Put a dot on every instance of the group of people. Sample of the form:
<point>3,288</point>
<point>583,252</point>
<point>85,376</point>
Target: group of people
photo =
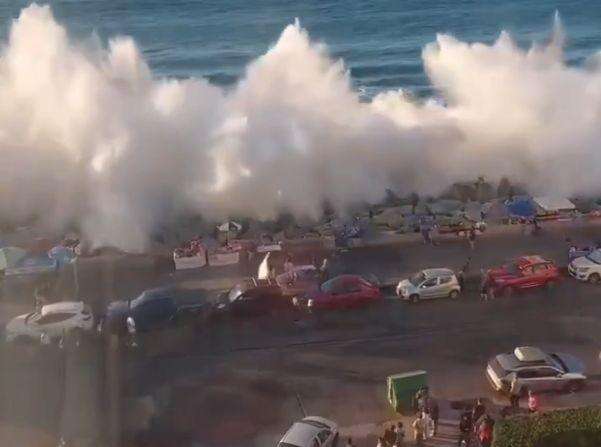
<point>476,424</point>
<point>394,436</point>
<point>516,392</point>
<point>425,424</point>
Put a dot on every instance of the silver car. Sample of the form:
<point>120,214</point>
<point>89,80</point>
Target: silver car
<point>535,370</point>
<point>429,284</point>
<point>312,431</point>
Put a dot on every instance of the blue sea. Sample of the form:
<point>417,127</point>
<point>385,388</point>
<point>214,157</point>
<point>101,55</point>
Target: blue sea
<point>380,41</point>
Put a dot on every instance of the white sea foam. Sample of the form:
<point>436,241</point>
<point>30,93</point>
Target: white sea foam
<point>88,134</point>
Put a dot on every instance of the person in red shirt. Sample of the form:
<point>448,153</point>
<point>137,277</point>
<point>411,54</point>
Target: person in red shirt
<point>485,433</point>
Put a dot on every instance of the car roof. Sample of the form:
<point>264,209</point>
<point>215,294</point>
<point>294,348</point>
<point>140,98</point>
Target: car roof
<point>529,354</point>
<point>301,434</point>
<point>531,259</point>
<point>524,357</point>
<point>438,272</point>
<point>62,307</point>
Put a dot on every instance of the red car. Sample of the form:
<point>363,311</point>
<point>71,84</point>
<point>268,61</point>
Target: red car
<point>341,292</point>
<point>526,272</point>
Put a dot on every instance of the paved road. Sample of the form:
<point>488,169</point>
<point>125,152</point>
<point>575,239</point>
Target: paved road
<point>339,363</point>
<point>239,382</point>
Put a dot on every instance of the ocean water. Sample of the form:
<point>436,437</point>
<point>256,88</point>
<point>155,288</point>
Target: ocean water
<point>380,41</point>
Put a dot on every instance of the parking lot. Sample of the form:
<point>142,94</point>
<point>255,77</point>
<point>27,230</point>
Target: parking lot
<point>238,384</point>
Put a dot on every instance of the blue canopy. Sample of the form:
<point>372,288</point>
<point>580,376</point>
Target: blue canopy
<point>521,208</point>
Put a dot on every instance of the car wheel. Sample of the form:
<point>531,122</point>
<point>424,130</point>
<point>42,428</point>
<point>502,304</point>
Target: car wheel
<point>454,294</point>
<point>594,278</point>
<point>508,292</point>
<point>414,298</point>
<point>574,385</point>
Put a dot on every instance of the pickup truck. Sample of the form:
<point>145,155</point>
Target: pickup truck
<point>155,309</point>
<point>526,272</point>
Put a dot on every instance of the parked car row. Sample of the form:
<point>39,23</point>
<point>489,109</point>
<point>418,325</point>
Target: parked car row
<point>167,306</point>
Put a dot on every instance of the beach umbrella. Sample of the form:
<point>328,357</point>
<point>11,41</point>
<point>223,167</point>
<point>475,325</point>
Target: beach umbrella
<point>10,256</point>
<point>228,226</point>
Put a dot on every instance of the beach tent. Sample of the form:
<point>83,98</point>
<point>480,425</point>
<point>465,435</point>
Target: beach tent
<point>10,256</point>
<point>521,207</point>
<point>547,205</point>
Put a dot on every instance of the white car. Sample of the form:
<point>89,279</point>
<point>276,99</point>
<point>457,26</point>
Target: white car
<point>312,431</point>
<point>535,370</point>
<point>428,284</point>
<point>51,322</point>
<point>587,268</point>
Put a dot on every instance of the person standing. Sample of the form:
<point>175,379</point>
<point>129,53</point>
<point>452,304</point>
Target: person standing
<point>514,392</point>
<point>389,435</point>
<point>418,430</point>
<point>349,442</point>
<point>324,270</point>
<point>471,238</point>
<point>381,442</point>
<point>478,411</point>
<point>434,414</point>
<point>289,269</point>
<point>484,286</point>
<point>485,432</point>
<point>399,433</point>
<point>533,402</point>
<point>428,425</point>
<point>465,427</point>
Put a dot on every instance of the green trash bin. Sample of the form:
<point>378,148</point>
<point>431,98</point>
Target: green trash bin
<point>402,388</point>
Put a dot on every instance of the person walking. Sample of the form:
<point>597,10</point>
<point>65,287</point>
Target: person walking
<point>381,442</point>
<point>349,442</point>
<point>514,392</point>
<point>434,414</point>
<point>418,430</point>
<point>533,403</point>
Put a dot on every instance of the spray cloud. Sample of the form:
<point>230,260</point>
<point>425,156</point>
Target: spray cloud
<point>87,133</point>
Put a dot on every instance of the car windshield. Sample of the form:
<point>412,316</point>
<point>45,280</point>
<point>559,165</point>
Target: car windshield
<point>496,366</point>
<point>234,293</point>
<point>595,256</point>
<point>559,363</point>
<point>333,285</point>
<point>417,279</point>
